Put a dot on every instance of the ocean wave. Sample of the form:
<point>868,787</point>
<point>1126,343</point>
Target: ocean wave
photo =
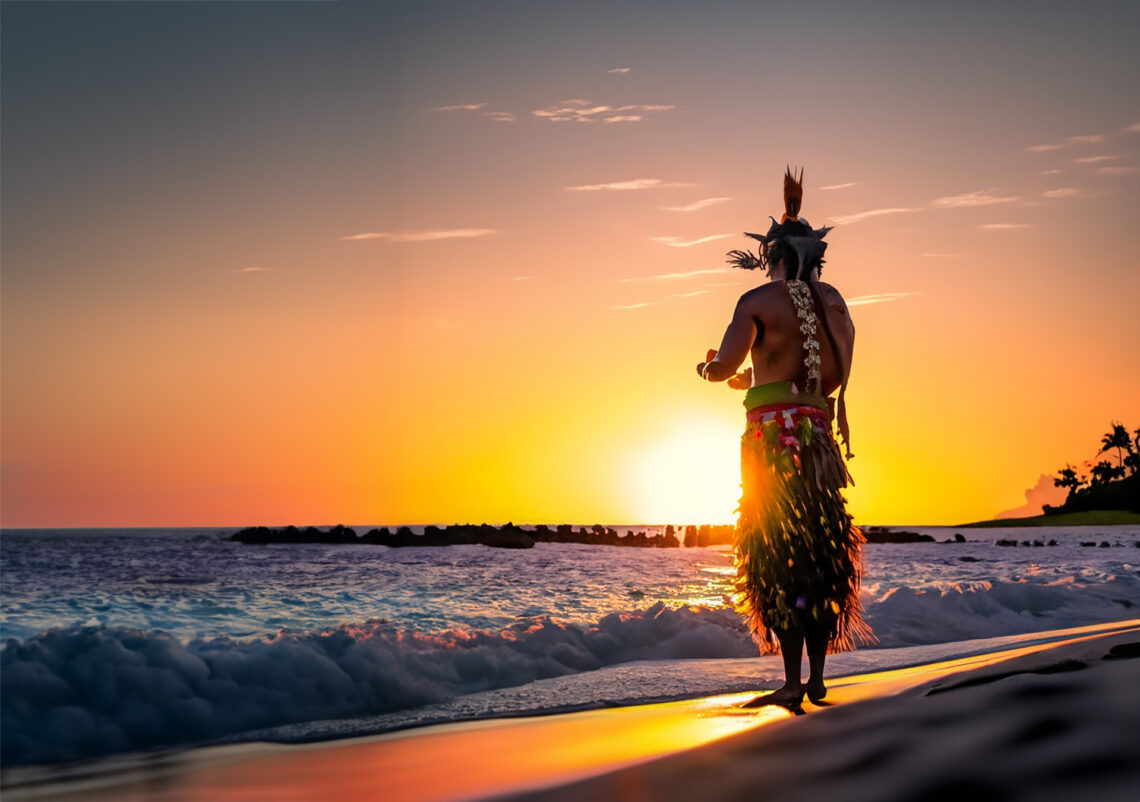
<point>84,691</point>
<point>953,611</point>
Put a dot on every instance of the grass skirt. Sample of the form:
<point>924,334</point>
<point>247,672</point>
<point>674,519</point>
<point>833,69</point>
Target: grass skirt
<point>797,550</point>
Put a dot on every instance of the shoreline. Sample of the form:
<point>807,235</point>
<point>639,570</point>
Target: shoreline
<point>552,754</point>
<point>1082,518</point>
<point>1050,726</point>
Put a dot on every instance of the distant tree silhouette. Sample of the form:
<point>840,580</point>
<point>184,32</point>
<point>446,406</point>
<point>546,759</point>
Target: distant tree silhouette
<point>1132,461</point>
<point>1067,477</point>
<point>1104,472</point>
<point>1117,438</point>
<point>1111,486</point>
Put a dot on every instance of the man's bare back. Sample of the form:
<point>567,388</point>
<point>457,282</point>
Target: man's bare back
<point>765,324</point>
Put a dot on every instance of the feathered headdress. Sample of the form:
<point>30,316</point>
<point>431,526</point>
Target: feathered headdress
<point>797,232</point>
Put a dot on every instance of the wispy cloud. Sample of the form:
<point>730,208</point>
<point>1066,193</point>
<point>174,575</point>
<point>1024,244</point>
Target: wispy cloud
<point>618,71</point>
<point>677,242</point>
<point>942,255</point>
<point>252,269</point>
<point>1094,159</point>
<point>460,107</point>
<point>1133,129</point>
<point>423,236</point>
<point>838,186</point>
<point>628,186</point>
<point>674,276</point>
<point>883,297</point>
<point>520,278</point>
<point>1080,139</point>
<point>498,116</point>
<point>1116,170</point>
<point>1003,226</point>
<point>577,110</point>
<point>689,294</point>
<point>981,198</point>
<point>1050,172</point>
<point>634,306</point>
<point>847,219</point>
<point>695,205</point>
<point>1063,192</point>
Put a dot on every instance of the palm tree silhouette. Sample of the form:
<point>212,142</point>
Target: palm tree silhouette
<point>1118,438</point>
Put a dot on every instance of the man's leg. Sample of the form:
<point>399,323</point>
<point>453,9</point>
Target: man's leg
<point>816,639</point>
<point>791,695</point>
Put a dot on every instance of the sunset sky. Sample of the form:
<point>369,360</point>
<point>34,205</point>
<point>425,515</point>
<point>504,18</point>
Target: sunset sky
<point>455,261</point>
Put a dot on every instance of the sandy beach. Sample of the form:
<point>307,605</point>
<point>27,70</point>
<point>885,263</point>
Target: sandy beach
<point>1057,723</point>
<point>1052,720</point>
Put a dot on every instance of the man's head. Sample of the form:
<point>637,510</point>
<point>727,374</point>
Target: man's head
<point>791,241</point>
<point>786,246</point>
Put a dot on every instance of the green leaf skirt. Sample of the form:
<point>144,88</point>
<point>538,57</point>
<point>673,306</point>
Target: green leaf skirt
<point>798,554</point>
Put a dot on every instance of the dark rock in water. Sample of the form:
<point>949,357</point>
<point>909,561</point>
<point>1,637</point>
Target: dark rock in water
<point>968,559</point>
<point>507,536</point>
<point>879,534</point>
<point>1005,542</point>
<point>959,538</point>
<point>340,534</point>
<point>1104,544</point>
<point>509,540</point>
<point>1040,543</point>
<point>291,534</point>
<point>1052,542</point>
<point>376,536</point>
<point>1087,543</point>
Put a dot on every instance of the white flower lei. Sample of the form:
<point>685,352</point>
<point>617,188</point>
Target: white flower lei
<point>801,297</point>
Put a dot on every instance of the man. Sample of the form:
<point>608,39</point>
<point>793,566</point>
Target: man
<point>797,551</point>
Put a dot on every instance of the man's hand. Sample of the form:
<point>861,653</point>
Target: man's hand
<point>742,380</point>
<point>709,357</point>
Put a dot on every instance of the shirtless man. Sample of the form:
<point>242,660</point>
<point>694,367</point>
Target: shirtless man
<point>797,551</point>
<point>765,325</point>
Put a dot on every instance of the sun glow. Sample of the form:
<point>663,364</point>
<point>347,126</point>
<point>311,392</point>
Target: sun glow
<point>691,475</point>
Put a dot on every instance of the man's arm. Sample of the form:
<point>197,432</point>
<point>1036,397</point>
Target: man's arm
<point>836,301</point>
<point>737,342</point>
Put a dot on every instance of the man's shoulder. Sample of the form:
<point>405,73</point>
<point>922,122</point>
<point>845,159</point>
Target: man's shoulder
<point>831,295</point>
<point>761,295</point>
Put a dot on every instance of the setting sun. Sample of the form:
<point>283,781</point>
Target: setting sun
<point>690,475</point>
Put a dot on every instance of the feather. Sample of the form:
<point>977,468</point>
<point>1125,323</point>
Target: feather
<point>743,259</point>
<point>793,195</point>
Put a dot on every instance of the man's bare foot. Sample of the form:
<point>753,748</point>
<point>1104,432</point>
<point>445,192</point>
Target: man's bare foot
<point>789,696</point>
<point>816,692</point>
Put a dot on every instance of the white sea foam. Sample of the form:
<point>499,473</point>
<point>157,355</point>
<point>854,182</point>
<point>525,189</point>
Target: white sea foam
<point>74,692</point>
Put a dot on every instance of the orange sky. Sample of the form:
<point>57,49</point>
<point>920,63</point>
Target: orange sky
<point>515,337</point>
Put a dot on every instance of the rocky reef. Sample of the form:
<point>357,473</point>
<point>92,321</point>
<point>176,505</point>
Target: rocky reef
<point>507,536</point>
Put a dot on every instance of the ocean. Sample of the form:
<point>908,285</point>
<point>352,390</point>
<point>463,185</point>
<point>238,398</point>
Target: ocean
<point>118,640</point>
